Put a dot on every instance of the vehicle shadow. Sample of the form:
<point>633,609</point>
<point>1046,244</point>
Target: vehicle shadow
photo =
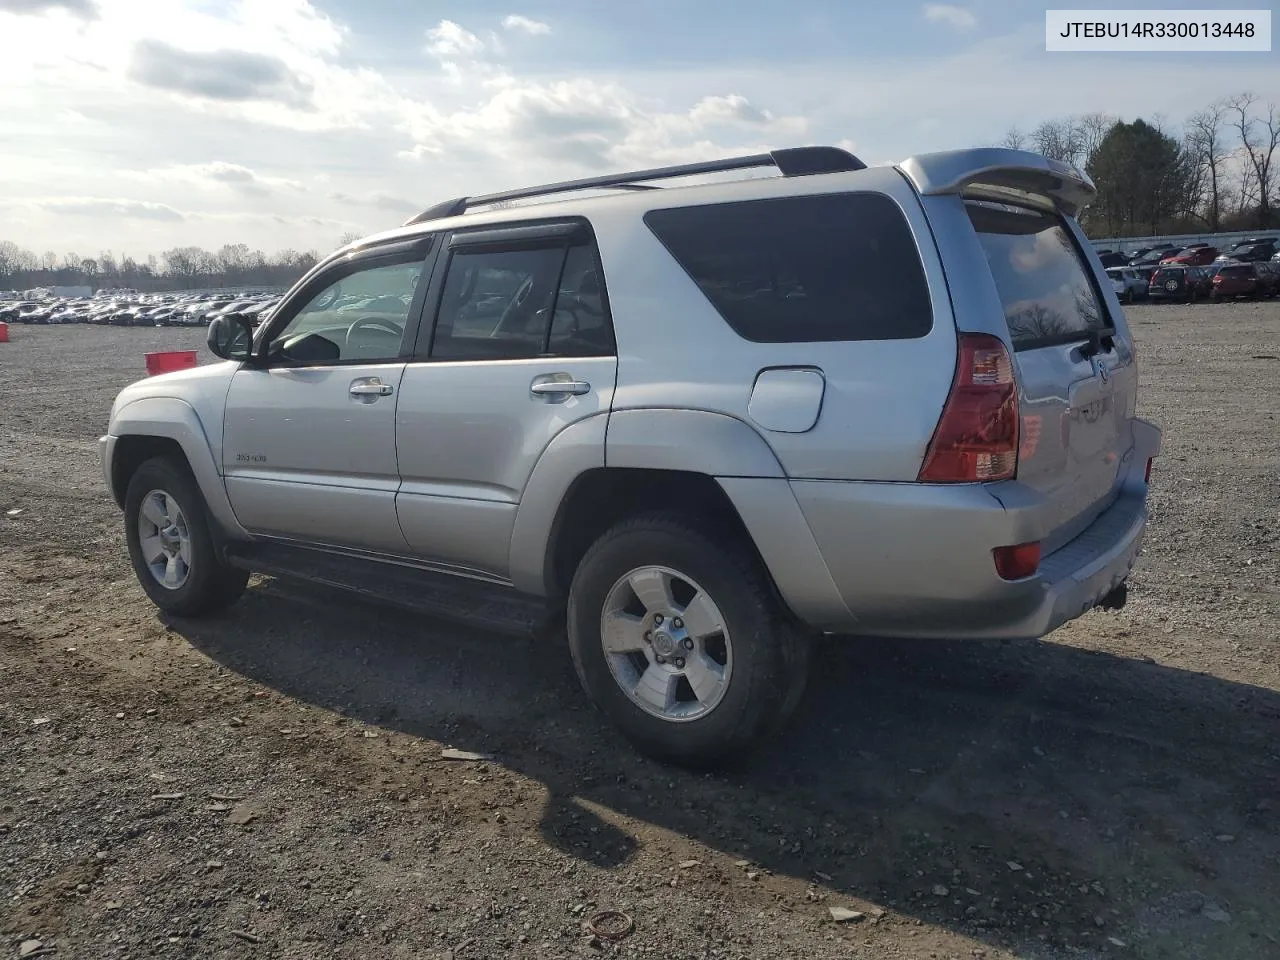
<point>1029,794</point>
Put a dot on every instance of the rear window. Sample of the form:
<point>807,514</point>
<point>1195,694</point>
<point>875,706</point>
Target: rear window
<point>1236,272</point>
<point>809,269</point>
<point>1046,289</point>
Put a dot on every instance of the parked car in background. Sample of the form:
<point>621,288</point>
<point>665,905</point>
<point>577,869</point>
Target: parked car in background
<point>1245,280</point>
<point>1152,256</point>
<point>1196,255</point>
<point>1129,283</point>
<point>11,311</point>
<point>1112,258</point>
<point>1254,249</point>
<point>1179,282</point>
<point>128,308</point>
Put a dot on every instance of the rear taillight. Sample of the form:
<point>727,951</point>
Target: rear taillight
<point>977,434</point>
<point>1147,477</point>
<point>1017,562</point>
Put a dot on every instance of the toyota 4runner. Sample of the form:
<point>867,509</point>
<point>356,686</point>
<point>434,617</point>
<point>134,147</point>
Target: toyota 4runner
<point>703,422</point>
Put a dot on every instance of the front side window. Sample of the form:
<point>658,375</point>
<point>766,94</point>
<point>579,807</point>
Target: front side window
<point>361,316</point>
<point>1041,277</point>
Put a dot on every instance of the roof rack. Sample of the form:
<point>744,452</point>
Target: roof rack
<point>791,162</point>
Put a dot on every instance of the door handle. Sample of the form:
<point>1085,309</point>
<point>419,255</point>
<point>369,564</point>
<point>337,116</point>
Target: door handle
<point>371,388</point>
<point>557,389</point>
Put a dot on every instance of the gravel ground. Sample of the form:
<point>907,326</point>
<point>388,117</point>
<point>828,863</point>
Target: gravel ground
<point>271,784</point>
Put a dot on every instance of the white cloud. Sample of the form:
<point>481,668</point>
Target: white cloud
<point>219,174</point>
<point>952,15</point>
<point>379,199</point>
<point>448,40</point>
<point>103,207</point>
<point>526,25</point>
<point>581,121</point>
<point>730,109</point>
<point>78,8</point>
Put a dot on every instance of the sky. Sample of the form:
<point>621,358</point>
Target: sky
<point>133,126</point>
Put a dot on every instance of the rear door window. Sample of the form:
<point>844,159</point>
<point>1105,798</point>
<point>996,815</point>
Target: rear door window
<point>834,267</point>
<point>530,301</point>
<point>1046,288</point>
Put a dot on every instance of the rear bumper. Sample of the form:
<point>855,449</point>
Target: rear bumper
<point>914,560</point>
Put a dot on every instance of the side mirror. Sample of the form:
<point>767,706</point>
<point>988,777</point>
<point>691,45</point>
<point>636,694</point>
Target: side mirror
<point>307,348</point>
<point>230,337</point>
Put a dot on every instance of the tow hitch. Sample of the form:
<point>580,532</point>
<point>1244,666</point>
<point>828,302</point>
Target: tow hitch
<point>1116,599</point>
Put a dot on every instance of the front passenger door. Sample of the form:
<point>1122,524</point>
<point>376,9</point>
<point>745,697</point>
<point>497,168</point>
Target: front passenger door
<point>309,446</point>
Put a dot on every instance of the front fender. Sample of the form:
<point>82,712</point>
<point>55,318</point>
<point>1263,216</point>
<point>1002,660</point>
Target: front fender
<point>177,420</point>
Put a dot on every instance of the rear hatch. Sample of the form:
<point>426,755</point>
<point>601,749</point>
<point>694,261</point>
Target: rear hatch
<point>1234,278</point>
<point>1075,372</point>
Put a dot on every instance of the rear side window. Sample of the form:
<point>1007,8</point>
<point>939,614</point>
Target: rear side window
<point>518,303</point>
<point>1236,272</point>
<point>1046,288</point>
<point>803,269</point>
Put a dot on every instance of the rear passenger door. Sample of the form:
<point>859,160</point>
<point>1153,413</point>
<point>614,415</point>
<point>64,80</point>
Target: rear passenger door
<point>521,349</point>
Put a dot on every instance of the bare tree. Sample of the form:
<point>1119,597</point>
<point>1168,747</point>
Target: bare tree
<point>1205,138</point>
<point>1015,139</point>
<point>1259,146</point>
<point>1059,140</point>
<point>1093,128</point>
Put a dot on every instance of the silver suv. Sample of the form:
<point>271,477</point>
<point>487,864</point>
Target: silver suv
<point>704,422</point>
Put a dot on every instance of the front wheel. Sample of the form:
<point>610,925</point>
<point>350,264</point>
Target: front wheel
<point>170,545</point>
<point>680,642</point>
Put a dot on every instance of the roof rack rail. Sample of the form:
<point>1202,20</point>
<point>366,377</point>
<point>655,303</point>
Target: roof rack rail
<point>791,162</point>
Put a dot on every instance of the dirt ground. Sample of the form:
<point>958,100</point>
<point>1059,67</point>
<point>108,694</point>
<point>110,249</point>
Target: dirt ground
<point>270,784</point>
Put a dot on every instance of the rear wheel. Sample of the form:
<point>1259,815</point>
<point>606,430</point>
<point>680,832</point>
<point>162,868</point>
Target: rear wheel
<point>170,545</point>
<point>680,642</point>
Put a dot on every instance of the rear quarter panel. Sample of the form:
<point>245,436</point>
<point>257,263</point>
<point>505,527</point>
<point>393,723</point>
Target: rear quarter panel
<point>882,398</point>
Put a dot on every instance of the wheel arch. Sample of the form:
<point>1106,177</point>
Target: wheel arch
<point>157,426</point>
<point>670,446</point>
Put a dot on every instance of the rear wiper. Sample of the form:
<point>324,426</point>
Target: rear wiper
<point>1100,341</point>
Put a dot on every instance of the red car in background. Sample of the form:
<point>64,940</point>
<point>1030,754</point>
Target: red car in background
<point>1246,280</point>
<point>1198,256</point>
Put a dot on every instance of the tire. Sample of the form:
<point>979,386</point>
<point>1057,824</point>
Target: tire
<point>205,585</point>
<point>762,657</point>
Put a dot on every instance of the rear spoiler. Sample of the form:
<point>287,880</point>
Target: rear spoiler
<point>994,173</point>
